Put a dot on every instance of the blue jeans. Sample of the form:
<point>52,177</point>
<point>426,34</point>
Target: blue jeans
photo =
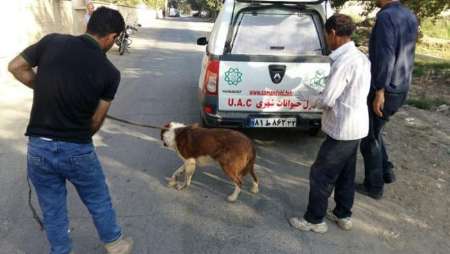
<point>50,164</point>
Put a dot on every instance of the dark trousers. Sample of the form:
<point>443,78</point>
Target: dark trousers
<point>373,150</point>
<point>334,168</point>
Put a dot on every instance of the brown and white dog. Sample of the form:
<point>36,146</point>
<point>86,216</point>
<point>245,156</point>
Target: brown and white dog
<point>232,150</point>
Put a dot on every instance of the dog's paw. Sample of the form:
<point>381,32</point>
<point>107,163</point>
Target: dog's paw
<point>181,186</point>
<point>231,198</point>
<point>171,182</point>
<point>255,188</point>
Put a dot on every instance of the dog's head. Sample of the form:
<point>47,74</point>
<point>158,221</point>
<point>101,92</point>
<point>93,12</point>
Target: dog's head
<point>168,134</point>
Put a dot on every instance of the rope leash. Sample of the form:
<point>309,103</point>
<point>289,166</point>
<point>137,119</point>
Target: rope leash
<point>30,192</point>
<point>33,210</point>
<point>135,123</point>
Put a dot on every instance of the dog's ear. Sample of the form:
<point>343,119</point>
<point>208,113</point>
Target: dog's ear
<point>195,125</point>
<point>167,125</point>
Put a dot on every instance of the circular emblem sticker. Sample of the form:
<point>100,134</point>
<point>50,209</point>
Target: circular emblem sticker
<point>233,76</point>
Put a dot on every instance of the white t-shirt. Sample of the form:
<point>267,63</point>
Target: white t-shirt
<point>86,18</point>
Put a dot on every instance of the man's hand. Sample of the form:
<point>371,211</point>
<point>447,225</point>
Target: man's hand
<point>378,103</point>
<point>22,71</point>
<point>99,115</point>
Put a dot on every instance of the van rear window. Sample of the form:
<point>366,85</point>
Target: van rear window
<point>276,34</point>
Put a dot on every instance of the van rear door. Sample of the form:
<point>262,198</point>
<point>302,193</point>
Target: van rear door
<point>272,53</point>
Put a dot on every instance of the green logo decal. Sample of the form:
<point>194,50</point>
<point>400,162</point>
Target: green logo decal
<point>318,81</point>
<point>233,76</point>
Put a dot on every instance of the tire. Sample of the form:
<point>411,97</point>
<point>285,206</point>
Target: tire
<point>314,131</point>
<point>122,47</point>
<point>203,122</point>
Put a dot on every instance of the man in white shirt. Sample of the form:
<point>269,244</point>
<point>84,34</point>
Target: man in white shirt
<point>345,120</point>
<point>90,8</point>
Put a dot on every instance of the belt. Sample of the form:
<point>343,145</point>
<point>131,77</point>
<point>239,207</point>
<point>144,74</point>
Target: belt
<point>46,139</point>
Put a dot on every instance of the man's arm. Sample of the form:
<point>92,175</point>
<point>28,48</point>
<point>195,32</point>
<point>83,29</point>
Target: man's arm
<point>99,115</point>
<point>385,60</point>
<point>22,71</point>
<point>384,50</point>
<point>22,65</point>
<point>105,101</point>
<point>336,83</point>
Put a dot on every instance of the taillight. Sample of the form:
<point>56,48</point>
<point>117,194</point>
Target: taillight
<point>211,77</point>
<point>208,109</point>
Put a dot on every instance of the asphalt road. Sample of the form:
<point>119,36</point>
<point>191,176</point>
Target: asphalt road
<point>159,84</point>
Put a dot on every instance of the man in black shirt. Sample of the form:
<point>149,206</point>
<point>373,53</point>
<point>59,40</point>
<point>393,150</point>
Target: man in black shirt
<point>73,89</point>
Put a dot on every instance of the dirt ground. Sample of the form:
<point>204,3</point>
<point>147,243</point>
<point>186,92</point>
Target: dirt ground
<point>432,86</point>
<point>418,142</point>
<point>419,145</point>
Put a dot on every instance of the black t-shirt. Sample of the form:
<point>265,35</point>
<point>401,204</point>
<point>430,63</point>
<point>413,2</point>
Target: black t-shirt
<point>73,74</point>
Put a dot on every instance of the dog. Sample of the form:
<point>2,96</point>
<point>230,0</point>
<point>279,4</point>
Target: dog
<point>232,150</point>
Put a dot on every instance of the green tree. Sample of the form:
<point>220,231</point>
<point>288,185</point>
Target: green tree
<point>152,3</point>
<point>422,8</point>
<point>212,6</point>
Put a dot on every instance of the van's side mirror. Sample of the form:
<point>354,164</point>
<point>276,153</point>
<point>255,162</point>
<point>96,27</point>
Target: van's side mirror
<point>202,41</point>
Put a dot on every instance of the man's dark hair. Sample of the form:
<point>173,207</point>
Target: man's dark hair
<point>105,21</point>
<point>342,24</point>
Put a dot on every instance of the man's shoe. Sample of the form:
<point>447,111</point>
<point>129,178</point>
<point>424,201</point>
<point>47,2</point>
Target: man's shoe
<point>343,223</point>
<point>120,246</point>
<point>388,172</point>
<point>362,189</point>
<point>303,225</point>
<point>389,178</point>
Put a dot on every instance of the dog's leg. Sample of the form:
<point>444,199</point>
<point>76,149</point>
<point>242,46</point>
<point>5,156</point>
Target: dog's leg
<point>231,172</point>
<point>190,172</point>
<point>189,169</point>
<point>173,178</point>
<point>255,184</point>
<point>255,188</point>
<point>234,196</point>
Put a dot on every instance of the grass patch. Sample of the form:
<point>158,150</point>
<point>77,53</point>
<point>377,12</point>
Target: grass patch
<point>424,65</point>
<point>439,28</point>
<point>435,51</point>
<point>426,103</point>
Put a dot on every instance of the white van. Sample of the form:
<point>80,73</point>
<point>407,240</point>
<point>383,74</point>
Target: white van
<point>260,53</point>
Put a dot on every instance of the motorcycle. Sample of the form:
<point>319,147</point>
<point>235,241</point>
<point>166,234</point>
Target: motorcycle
<point>124,41</point>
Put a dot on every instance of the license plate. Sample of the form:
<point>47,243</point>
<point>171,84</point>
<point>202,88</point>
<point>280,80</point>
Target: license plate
<point>273,122</point>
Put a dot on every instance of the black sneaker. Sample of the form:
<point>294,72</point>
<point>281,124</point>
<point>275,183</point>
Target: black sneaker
<point>389,176</point>
<point>362,189</point>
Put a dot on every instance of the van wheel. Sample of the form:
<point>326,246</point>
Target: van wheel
<point>203,122</point>
<point>314,131</point>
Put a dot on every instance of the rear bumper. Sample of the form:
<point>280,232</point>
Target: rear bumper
<point>242,119</point>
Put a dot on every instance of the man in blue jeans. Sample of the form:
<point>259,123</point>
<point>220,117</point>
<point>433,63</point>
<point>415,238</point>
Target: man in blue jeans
<point>73,89</point>
<point>391,51</point>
